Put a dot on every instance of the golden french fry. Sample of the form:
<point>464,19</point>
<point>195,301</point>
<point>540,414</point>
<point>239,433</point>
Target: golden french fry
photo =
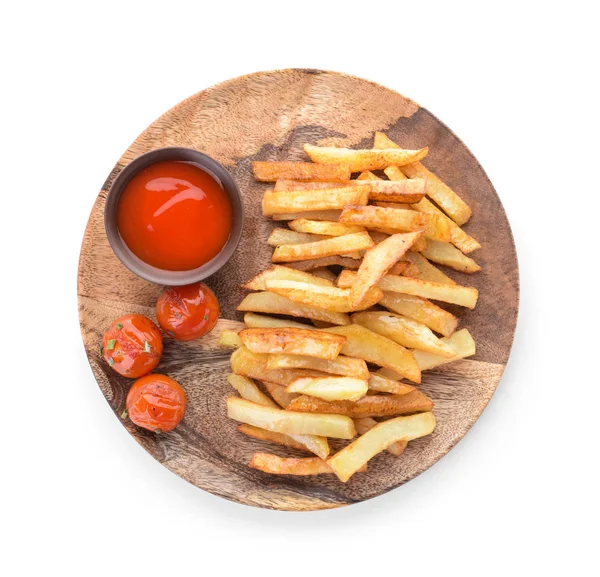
<point>426,270</point>
<point>377,262</point>
<point>328,298</point>
<point>399,268</point>
<point>323,199</point>
<point>347,461</point>
<point>366,424</point>
<point>454,206</point>
<point>310,214</point>
<point>337,245</point>
<point>345,366</point>
<point>254,321</point>
<point>275,465</point>
<point>411,270</point>
<point>365,344</point>
<point>335,260</point>
<point>369,406</point>
<point>288,185</point>
<point>461,343</point>
<point>330,388</point>
<point>454,294</point>
<point>289,422</point>
<point>293,341</point>
<point>324,272</point>
<point>421,310</point>
<point>394,173</point>
<point>448,255</point>
<point>271,436</point>
<point>272,171</point>
<point>281,236</point>
<point>323,227</point>
<point>360,160</point>
<point>437,226</point>
<point>387,219</point>
<point>271,303</point>
<point>382,384</point>
<point>404,331</point>
<point>279,394</point>
<point>229,339</point>
<point>279,272</point>
<point>248,390</point>
<point>406,191</point>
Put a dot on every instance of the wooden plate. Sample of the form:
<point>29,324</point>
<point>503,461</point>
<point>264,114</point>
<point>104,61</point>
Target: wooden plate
<point>268,116</point>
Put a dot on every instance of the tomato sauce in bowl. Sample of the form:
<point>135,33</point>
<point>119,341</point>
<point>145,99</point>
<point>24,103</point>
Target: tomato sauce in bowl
<point>174,216</point>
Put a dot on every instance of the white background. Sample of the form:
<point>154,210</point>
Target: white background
<point>518,82</point>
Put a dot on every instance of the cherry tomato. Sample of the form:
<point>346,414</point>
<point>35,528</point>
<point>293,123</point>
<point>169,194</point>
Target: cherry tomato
<point>187,312</point>
<point>156,402</point>
<point>132,346</point>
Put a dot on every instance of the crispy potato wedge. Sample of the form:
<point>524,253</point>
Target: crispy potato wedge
<point>364,344</point>
<point>389,219</point>
<point>448,255</point>
<point>335,260</point>
<point>454,294</point>
<point>360,160</point>
<point>281,236</point>
<point>319,199</point>
<point>377,262</point>
<point>404,331</point>
<point>344,366</point>
<point>462,344</point>
<point>323,227</point>
<point>310,214</point>
<point>347,461</point>
<point>421,310</point>
<point>290,422</point>
<point>271,303</point>
<point>324,272</point>
<point>248,390</point>
<point>369,406</point>
<point>293,341</point>
<point>328,298</point>
<point>271,436</point>
<point>330,388</point>
<point>366,424</point>
<point>443,195</point>
<point>254,321</point>
<point>383,384</point>
<point>426,270</point>
<point>279,272</point>
<point>229,339</point>
<point>279,394</point>
<point>275,465</point>
<point>337,245</point>
<point>272,171</point>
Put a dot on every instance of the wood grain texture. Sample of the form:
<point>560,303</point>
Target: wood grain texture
<point>268,116</point>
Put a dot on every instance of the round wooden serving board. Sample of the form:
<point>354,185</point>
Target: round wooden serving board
<point>268,116</point>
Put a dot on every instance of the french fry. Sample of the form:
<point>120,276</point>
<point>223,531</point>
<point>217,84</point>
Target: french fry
<point>271,436</point>
<point>394,173</point>
<point>461,343</point>
<point>421,310</point>
<point>426,270</point>
<point>248,390</point>
<point>411,270</point>
<point>330,388</point>
<point>290,422</point>
<point>377,262</point>
<point>310,214</point>
<point>347,461</point>
<point>382,384</point>
<point>392,219</point>
<point>406,191</point>
<point>278,272</point>
<point>345,366</point>
<point>364,344</point>
<point>454,206</point>
<point>323,199</point>
<point>271,171</point>
<point>437,227</point>
<point>454,294</point>
<point>293,341</point>
<point>366,424</point>
<point>229,339</point>
<point>324,272</point>
<point>448,255</point>
<point>400,267</point>
<point>360,160</point>
<point>275,465</point>
<point>329,298</point>
<point>254,321</point>
<point>323,227</point>
<point>279,394</point>
<point>335,260</point>
<point>337,245</point>
<point>288,185</point>
<point>369,406</point>
<point>254,365</point>
<point>271,303</point>
<point>404,331</point>
<point>281,236</point>
<point>368,175</point>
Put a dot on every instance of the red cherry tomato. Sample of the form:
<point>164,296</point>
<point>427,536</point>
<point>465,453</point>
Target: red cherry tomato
<point>187,312</point>
<point>156,402</point>
<point>132,346</point>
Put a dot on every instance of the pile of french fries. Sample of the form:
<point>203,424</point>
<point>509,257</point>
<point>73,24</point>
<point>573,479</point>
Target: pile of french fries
<point>356,269</point>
